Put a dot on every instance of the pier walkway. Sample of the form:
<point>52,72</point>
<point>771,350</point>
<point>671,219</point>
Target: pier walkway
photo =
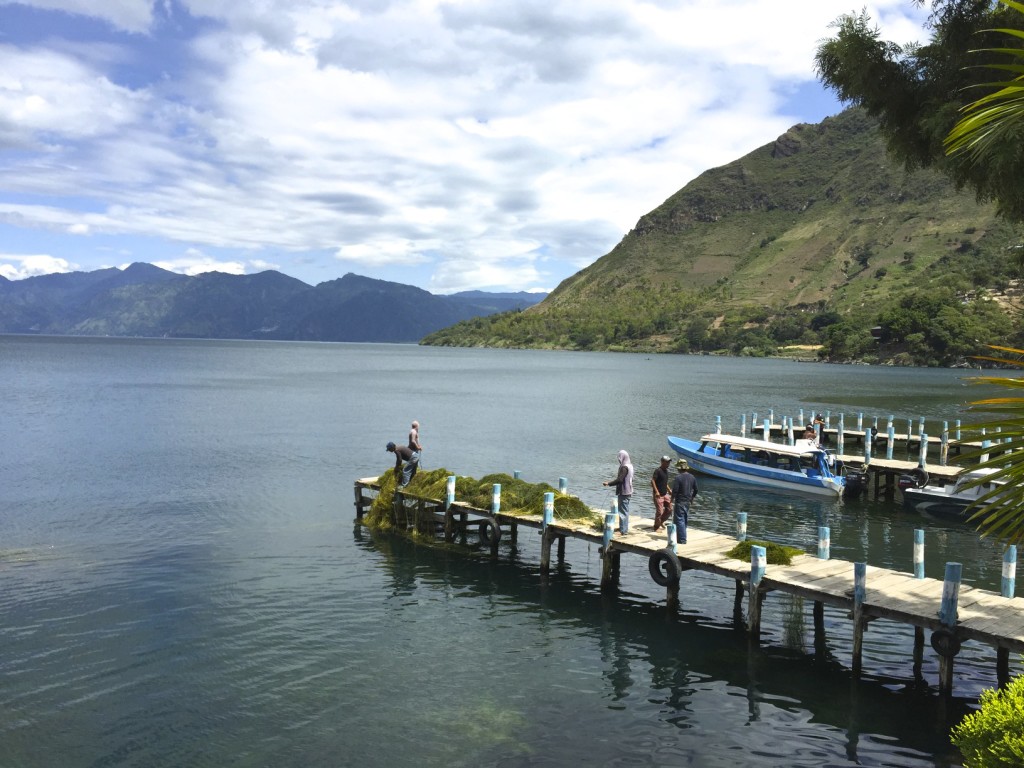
<point>950,612</point>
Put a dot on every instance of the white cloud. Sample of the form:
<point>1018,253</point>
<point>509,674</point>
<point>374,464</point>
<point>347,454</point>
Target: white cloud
<point>195,262</point>
<point>18,266</point>
<point>507,143</point>
<point>129,15</point>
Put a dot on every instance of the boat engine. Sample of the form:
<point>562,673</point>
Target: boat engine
<point>856,483</point>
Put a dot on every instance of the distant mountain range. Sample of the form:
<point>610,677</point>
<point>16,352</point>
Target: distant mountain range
<point>145,300</point>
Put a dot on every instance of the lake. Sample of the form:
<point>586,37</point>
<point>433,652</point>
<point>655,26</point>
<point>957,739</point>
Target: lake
<point>184,584</point>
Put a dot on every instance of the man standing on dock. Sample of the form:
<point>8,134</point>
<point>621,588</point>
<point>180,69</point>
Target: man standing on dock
<point>684,488</point>
<point>662,498</point>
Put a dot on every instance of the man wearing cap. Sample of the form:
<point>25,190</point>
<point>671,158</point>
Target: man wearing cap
<point>403,453</point>
<point>684,488</point>
<point>662,498</point>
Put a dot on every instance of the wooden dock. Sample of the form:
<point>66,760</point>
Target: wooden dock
<point>866,592</point>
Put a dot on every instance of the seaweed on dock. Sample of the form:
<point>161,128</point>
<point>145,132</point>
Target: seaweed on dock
<point>776,554</point>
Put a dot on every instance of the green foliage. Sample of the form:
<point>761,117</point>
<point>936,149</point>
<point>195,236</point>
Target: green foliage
<point>993,737</point>
<point>775,554</point>
<point>916,92</point>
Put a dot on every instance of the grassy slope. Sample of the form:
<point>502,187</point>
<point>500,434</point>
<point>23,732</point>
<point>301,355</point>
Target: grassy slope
<point>819,218</point>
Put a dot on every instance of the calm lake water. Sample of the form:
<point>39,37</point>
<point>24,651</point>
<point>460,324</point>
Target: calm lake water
<point>183,584</point>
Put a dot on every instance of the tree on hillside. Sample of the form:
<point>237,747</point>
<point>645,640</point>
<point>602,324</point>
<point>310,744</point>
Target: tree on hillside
<point>916,91</point>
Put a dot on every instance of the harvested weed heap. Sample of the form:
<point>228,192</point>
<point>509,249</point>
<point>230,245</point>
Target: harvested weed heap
<point>517,497</point>
<point>775,554</point>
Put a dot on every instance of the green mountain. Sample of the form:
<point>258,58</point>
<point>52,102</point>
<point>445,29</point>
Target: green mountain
<point>809,242</point>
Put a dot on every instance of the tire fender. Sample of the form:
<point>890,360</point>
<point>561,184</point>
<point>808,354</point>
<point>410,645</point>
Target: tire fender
<point>920,477</point>
<point>945,642</point>
<point>664,567</point>
<point>490,531</point>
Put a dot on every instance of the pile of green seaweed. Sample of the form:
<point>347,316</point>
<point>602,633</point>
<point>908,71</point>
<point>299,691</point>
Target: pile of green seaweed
<point>518,497</point>
<point>775,554</point>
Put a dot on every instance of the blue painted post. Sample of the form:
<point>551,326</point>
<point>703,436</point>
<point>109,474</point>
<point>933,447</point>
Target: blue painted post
<point>910,429</point>
<point>840,444</point>
<point>860,582</point>
<point>449,495</point>
<point>891,442</point>
<point>789,430</point>
<point>828,419</point>
<point>741,526</point>
<point>919,553</point>
<point>609,524</point>
<point>890,424</point>
<point>922,454</point>
<point>860,422</point>
<point>516,474</point>
<point>950,594</point>
<point>767,429</point>
<point>801,418</point>
<point>944,445</point>
<point>1009,571</point>
<point>563,485</point>
<point>718,425</point>
<point>496,498</point>
<point>743,425</point>
<point>670,534</point>
<point>867,452</point>
<point>824,542</point>
<point>957,425</point>
<point>771,416</point>
<point>758,561</point>
<point>753,423</point>
<point>920,426</point>
<point>549,510</point>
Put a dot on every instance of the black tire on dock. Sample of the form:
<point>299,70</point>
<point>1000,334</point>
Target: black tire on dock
<point>920,477</point>
<point>945,642</point>
<point>490,532</point>
<point>664,567</point>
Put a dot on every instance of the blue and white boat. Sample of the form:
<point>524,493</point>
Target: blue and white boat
<point>804,466</point>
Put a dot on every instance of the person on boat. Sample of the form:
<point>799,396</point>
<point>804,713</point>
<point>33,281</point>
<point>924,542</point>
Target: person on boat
<point>684,489</point>
<point>662,497</point>
<point>414,441</point>
<point>404,454</point>
<point>623,484</point>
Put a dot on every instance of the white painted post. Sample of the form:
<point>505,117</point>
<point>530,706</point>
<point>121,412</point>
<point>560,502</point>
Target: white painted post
<point>922,454</point>
<point>891,442</point>
<point>609,524</point>
<point>840,446</point>
<point>944,445</point>
<point>950,594</point>
<point>860,422</point>
<point>741,526</point>
<point>801,418</point>
<point>957,425</point>
<point>718,425</point>
<point>670,534</point>
<point>1009,571</point>
<point>789,430</point>
<point>767,429</point>
<point>890,425</point>
<point>867,451</point>
<point>743,425</point>
<point>918,553</point>
<point>758,562</point>
<point>495,498</point>
<point>449,495</point>
<point>824,542</point>
<point>549,510</point>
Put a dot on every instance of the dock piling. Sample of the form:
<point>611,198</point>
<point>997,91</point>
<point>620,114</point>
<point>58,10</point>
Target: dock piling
<point>741,526</point>
<point>892,441</point>
<point>860,571</point>
<point>758,560</point>
<point>563,485</point>
<point>919,553</point>
<point>944,639</point>
<point>824,542</point>
<point>1009,571</point>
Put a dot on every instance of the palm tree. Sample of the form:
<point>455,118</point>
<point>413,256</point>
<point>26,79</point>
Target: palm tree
<point>992,121</point>
<point>1000,512</point>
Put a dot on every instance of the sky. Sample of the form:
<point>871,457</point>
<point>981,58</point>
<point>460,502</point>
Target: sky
<point>498,145</point>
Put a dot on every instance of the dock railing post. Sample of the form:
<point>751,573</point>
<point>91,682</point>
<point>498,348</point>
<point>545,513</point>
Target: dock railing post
<point>944,639</point>
<point>919,553</point>
<point>840,441</point>
<point>891,442</point>
<point>828,419</point>
<point>801,418</point>
<point>516,474</point>
<point>496,498</point>
<point>910,432</point>
<point>824,542</point>
<point>753,423</point>
<point>789,430</point>
<point>758,561</point>
<point>957,427</point>
<point>563,485</point>
<point>1009,571</point>
<point>771,416</point>
<point>741,526</point>
<point>920,426</point>
<point>944,444</point>
<point>743,425</point>
<point>718,425</point>
<point>890,424</point>
<point>670,534</point>
<point>767,429</point>
<point>922,454</point>
<point>860,571</point>
<point>860,422</point>
<point>545,537</point>
<point>867,451</point>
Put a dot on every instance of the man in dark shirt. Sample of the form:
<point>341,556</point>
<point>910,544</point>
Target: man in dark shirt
<point>411,459</point>
<point>684,488</point>
<point>662,498</point>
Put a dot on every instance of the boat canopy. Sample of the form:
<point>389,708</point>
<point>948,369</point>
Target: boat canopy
<point>759,445</point>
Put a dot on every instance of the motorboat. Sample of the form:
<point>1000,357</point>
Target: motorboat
<point>951,501</point>
<point>804,466</point>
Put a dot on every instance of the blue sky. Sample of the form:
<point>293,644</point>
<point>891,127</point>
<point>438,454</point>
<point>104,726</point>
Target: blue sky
<point>448,144</point>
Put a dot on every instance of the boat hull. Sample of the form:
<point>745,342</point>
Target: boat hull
<point>767,477</point>
<point>936,504</point>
